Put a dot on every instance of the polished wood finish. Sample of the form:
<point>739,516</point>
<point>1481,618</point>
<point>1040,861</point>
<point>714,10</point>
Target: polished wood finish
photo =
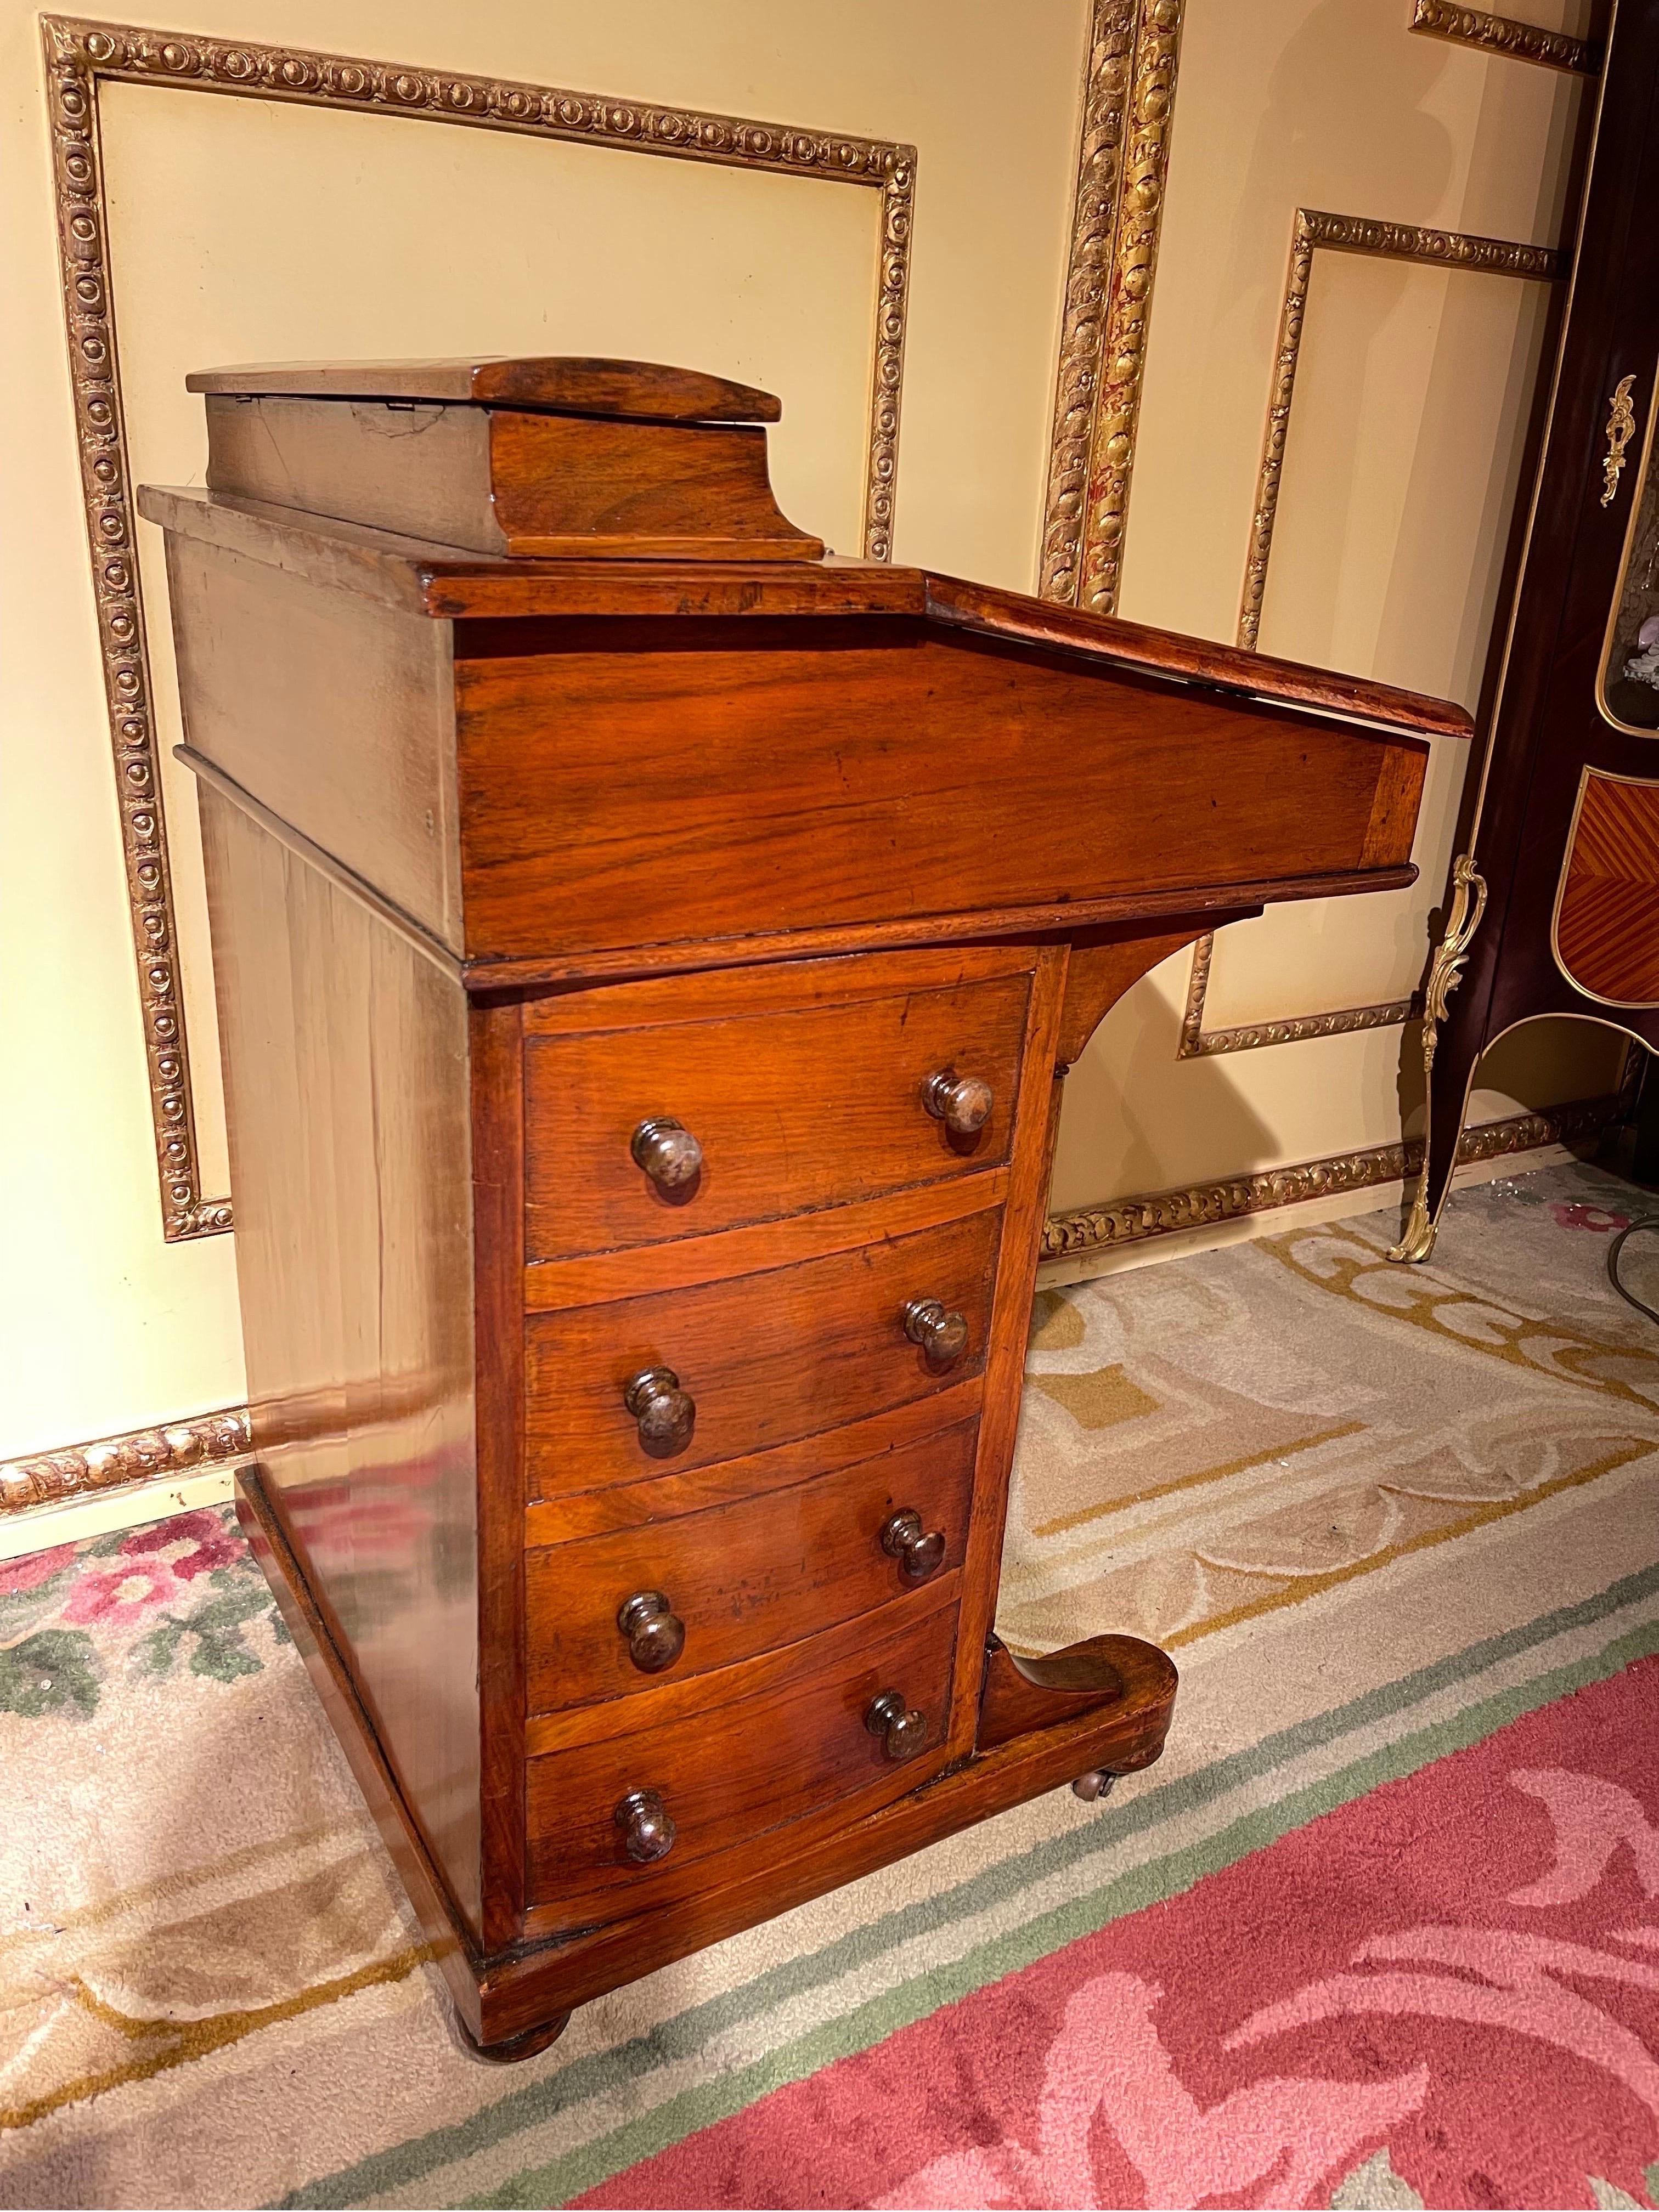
<point>1606,919</point>
<point>744,1576</point>
<point>741,1769</point>
<point>542,461</point>
<point>1199,660</point>
<point>351,1152</point>
<point>645,986</point>
<point>568,384</point>
<point>778,749</point>
<point>767,1358</point>
<point>1021,1695</point>
<point>832,1108</point>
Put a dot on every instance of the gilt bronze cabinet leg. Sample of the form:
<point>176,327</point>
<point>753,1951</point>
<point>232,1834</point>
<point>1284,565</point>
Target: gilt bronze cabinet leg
<point>1443,1101</point>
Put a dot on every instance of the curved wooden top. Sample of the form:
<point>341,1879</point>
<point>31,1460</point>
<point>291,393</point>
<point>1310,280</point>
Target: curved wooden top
<point>1164,653</point>
<point>558,384</point>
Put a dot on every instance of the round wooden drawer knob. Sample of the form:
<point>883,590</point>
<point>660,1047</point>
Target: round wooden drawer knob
<point>942,1335</point>
<point>1093,1785</point>
<point>963,1103</point>
<point>920,1552</point>
<point>667,1414</point>
<point>655,1633</point>
<point>668,1152</point>
<point>901,1728</point>
<point>647,1826</point>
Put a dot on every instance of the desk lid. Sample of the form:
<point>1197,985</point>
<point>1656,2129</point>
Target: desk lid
<point>553,384</point>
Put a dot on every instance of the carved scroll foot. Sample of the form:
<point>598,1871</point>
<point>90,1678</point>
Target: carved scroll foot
<point>1418,1241</point>
<point>1445,973</point>
<point>1117,1690</point>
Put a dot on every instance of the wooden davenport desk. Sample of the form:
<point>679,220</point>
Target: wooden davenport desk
<point>646,951</point>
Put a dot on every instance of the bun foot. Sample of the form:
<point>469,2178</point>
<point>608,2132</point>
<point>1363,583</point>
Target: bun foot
<point>529,2044</point>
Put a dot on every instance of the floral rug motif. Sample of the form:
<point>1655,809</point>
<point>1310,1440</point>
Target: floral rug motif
<point>183,1593</point>
<point>1446,1993</point>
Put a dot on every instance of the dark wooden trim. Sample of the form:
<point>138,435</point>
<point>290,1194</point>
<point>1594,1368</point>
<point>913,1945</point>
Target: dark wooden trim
<point>1188,659</point>
<point>1016,1262</point>
<point>496,1044</point>
<point>972,927</point>
<point>518,1992</point>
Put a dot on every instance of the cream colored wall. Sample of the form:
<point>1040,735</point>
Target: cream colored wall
<point>1399,477</point>
<point>246,230</point>
<point>243,229</point>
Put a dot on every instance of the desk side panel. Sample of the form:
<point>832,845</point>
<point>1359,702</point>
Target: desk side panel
<point>346,1080</point>
<point>627,783</point>
<point>334,712</point>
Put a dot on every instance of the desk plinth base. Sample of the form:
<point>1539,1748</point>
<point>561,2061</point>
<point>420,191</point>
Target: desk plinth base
<point>1099,1707</point>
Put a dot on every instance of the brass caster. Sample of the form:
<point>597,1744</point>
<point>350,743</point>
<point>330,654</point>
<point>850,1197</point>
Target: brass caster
<point>1094,1785</point>
<point>530,2045</point>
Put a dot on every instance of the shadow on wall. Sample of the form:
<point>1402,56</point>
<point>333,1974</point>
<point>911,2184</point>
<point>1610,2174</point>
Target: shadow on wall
<point>1134,1117</point>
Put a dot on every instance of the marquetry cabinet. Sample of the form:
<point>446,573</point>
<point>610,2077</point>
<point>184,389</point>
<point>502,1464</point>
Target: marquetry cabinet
<point>1553,907</point>
<point>647,952</point>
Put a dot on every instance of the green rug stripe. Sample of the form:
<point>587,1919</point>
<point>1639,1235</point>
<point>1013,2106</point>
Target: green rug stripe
<point>675,2039</point>
<point>1154,1883</point>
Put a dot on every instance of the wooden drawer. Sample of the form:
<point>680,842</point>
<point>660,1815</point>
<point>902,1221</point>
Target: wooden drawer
<point>733,1766</point>
<point>767,1358</point>
<point>796,1105</point>
<point>743,1577</point>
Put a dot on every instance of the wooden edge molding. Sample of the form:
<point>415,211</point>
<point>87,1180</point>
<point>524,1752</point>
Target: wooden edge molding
<point>81,55</point>
<point>1503,35</point>
<point>223,1439</point>
<point>1117,212</point>
<point>1201,1206</point>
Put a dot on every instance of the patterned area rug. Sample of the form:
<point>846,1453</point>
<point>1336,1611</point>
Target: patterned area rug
<point>1379,1929</point>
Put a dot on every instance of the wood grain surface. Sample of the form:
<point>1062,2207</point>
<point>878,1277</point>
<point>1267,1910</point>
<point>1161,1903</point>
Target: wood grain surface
<point>828,1108</point>
<point>767,1571</point>
<point>744,1769</point>
<point>768,1358</point>
<point>631,783</point>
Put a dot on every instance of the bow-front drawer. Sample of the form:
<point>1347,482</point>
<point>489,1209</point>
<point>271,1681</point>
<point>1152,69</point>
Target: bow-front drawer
<point>672,1110</point>
<point>613,1615</point>
<point>622,1390</point>
<point>630,1808</point>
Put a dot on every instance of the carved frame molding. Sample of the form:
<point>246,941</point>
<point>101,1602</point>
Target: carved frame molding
<point>1503,35</point>
<point>1202,1205</point>
<point>1312,228</point>
<point>82,54</point>
<point>158,1454</point>
<point>1117,212</point>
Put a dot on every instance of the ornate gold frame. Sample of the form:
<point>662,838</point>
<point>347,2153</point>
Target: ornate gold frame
<point>1312,228</point>
<point>81,55</point>
<point>1202,1205</point>
<point>1503,35</point>
<point>1117,212</point>
<point>188,1447</point>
